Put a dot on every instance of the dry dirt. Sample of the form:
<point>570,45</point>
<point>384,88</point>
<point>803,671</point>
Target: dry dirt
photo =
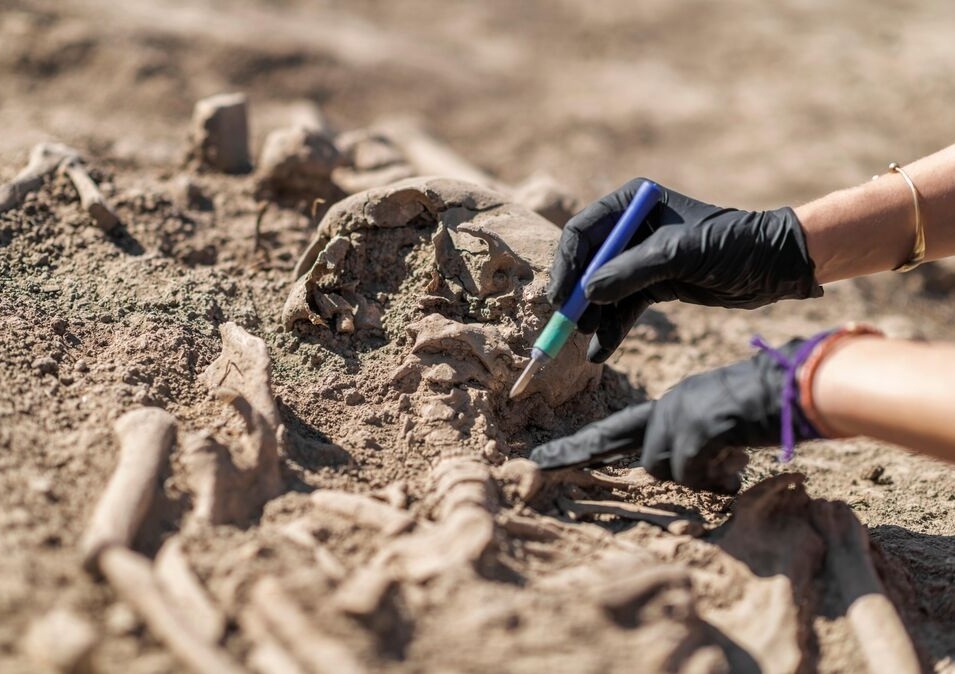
<point>469,565</point>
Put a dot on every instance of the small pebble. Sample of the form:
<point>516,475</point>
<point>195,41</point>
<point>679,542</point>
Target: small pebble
<point>81,366</point>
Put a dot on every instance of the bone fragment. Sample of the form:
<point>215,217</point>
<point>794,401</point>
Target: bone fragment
<point>544,195</point>
<point>675,524</point>
<point>230,487</point>
<point>185,592</point>
<point>61,641</point>
<point>362,593</point>
<point>145,436</point>
<point>91,199</point>
<point>879,630</point>
<point>364,510</point>
<point>299,161</point>
<point>632,481</point>
<point>220,133</point>
<point>370,160</point>
<point>524,474</point>
<point>244,365</point>
<point>45,158</point>
<point>430,156</point>
<point>458,542</point>
<point>131,576</point>
<point>301,532</point>
<point>293,629</point>
<point>270,658</point>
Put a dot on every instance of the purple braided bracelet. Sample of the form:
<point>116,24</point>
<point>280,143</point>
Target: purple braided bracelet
<point>790,392</point>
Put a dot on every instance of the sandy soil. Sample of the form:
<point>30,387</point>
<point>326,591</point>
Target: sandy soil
<point>743,103</point>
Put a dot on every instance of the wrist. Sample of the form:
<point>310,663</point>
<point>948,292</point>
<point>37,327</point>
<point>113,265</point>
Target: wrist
<point>807,377</point>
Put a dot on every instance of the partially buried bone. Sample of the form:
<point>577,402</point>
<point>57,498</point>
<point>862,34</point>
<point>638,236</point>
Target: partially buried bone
<point>131,576</point>
<point>232,486</point>
<point>880,633</point>
<point>91,199</point>
<point>145,437</point>
<point>370,160</point>
<point>770,554</point>
<point>429,156</point>
<point>364,510</point>
<point>298,161</point>
<point>671,522</point>
<point>464,529</point>
<point>44,160</point>
<point>287,624</point>
<point>186,593</point>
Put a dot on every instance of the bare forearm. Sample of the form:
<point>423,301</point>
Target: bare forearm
<point>894,390</point>
<point>871,227</point>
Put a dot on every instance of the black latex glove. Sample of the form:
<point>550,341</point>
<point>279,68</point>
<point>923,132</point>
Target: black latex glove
<point>683,435</point>
<point>685,250</point>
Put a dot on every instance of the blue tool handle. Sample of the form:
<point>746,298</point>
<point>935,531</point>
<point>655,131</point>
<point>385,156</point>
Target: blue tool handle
<point>647,196</point>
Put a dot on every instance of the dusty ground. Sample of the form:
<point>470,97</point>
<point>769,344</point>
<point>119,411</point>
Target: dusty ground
<point>744,103</point>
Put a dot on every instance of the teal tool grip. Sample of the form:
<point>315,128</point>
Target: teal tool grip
<point>556,333</point>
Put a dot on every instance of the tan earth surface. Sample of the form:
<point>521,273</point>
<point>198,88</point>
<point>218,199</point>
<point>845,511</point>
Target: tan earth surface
<point>372,512</point>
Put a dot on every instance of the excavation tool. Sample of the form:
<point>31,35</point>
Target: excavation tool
<point>564,321</point>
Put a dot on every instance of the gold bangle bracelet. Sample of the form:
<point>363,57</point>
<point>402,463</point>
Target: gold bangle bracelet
<point>917,256</point>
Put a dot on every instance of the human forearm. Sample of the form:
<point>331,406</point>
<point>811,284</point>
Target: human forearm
<point>871,227</point>
<point>894,390</point>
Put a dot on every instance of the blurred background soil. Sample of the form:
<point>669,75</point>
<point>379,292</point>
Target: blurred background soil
<point>742,103</point>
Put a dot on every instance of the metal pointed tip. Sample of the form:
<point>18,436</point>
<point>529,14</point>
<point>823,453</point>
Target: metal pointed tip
<point>525,378</point>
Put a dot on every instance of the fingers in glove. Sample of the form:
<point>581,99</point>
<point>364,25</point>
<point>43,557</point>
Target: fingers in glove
<point>620,433</point>
<point>591,318</point>
<point>614,325</point>
<point>663,256</point>
<point>579,242</point>
<point>582,237</point>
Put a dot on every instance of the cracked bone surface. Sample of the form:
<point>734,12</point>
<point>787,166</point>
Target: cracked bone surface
<point>230,486</point>
<point>471,320</point>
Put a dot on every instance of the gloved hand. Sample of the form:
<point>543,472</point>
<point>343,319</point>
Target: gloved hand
<point>686,250</point>
<point>683,434</point>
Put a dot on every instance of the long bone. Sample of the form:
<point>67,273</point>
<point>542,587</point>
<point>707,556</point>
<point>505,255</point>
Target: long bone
<point>145,437</point>
<point>91,199</point>
<point>879,631</point>
<point>285,621</point>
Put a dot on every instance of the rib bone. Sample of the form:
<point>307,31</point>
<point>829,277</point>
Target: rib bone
<point>131,576</point>
<point>675,524</point>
